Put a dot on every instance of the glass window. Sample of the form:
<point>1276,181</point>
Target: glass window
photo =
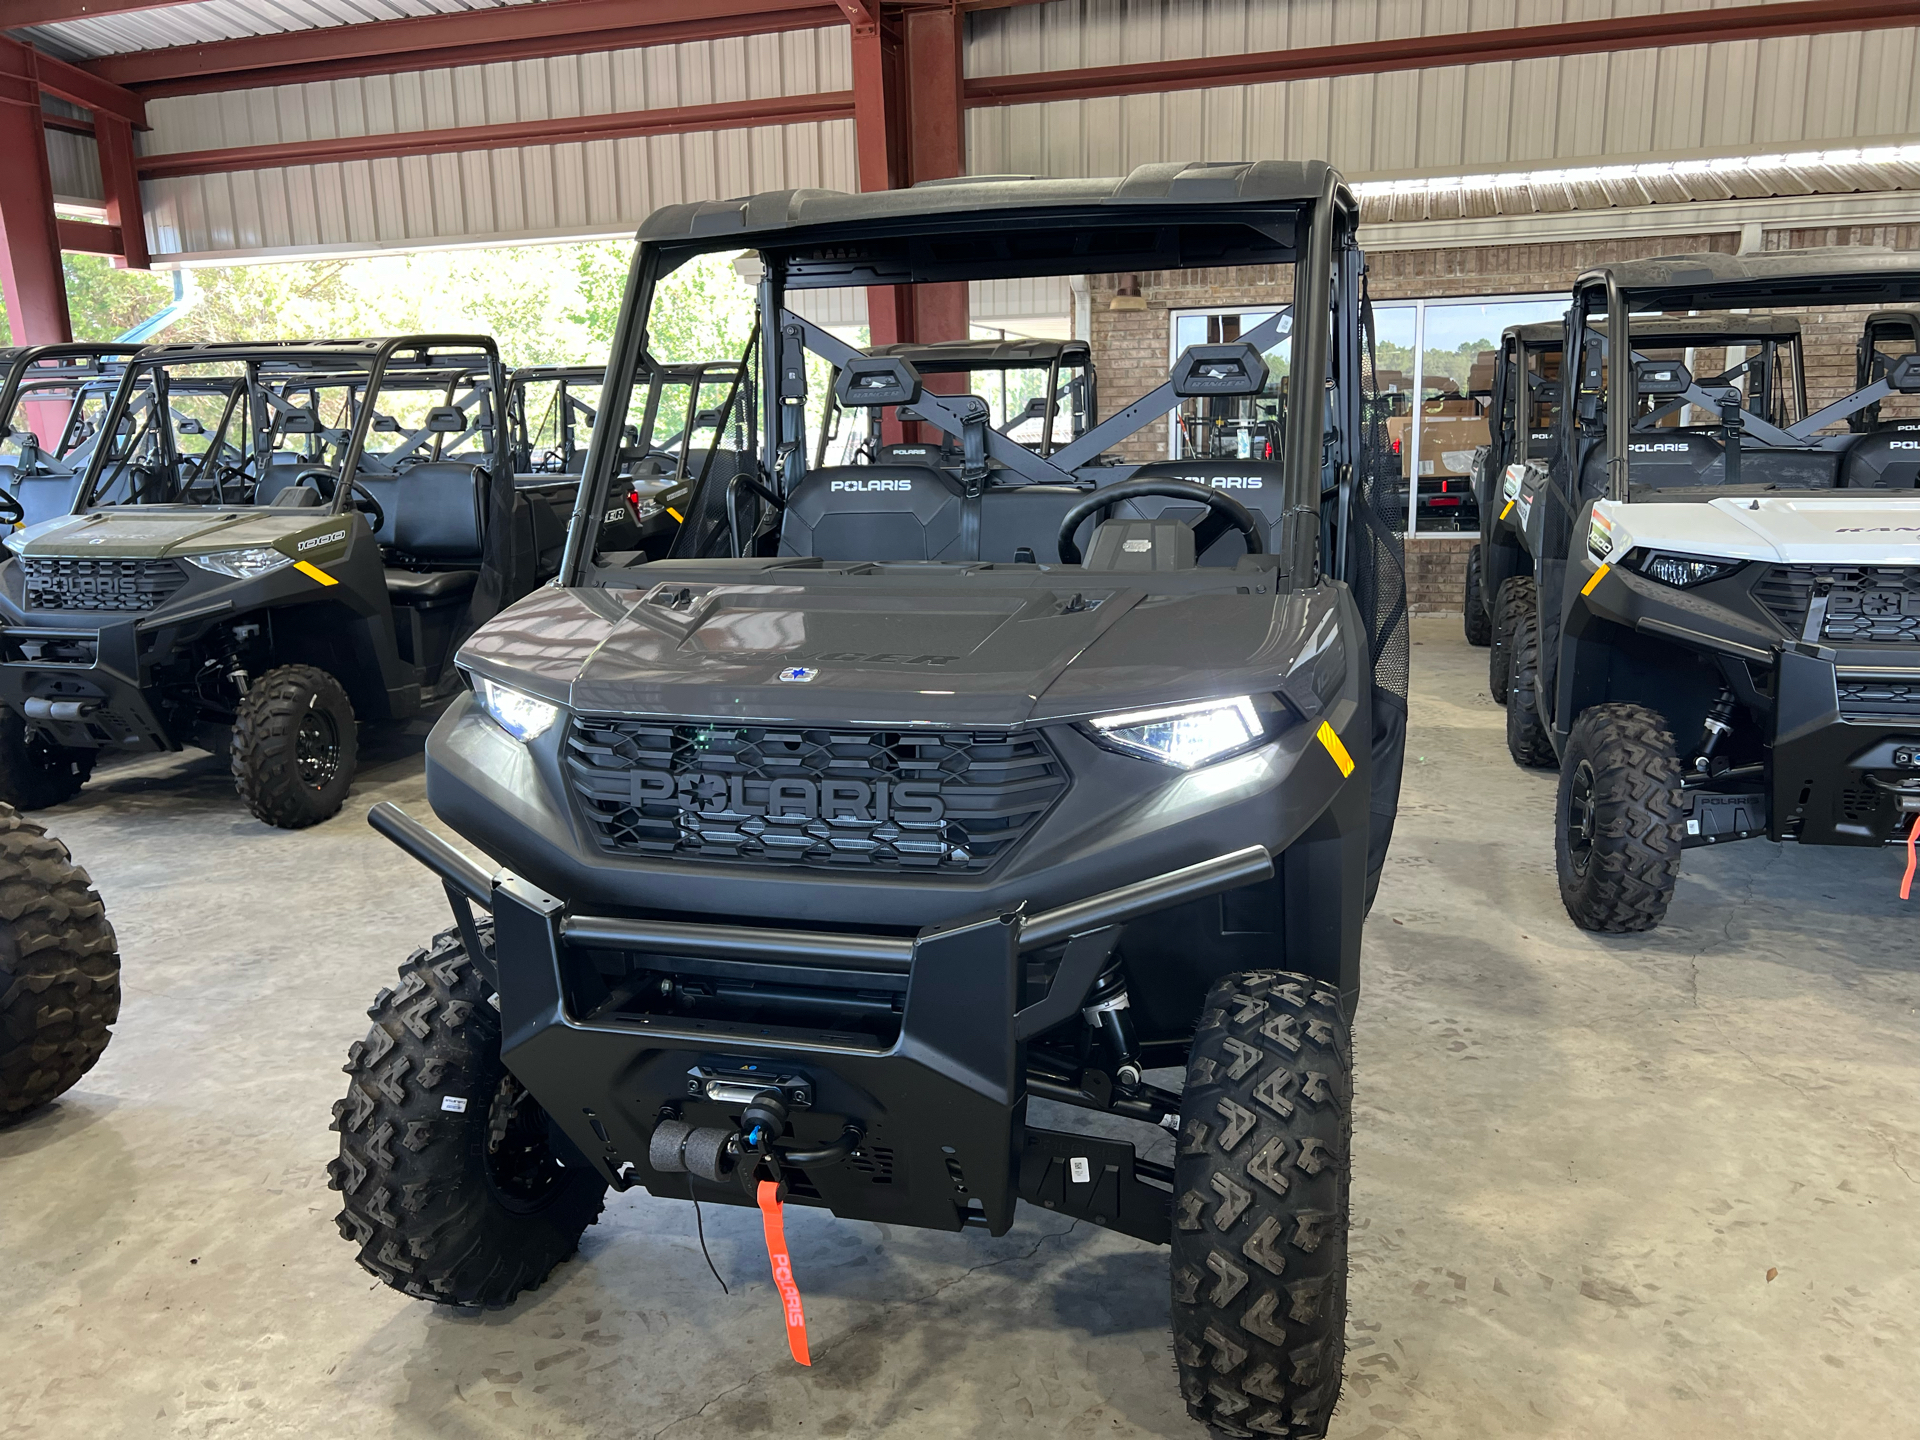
<point>1241,427</point>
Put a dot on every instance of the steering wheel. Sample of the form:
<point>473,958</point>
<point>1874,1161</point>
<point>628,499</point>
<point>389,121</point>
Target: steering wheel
<point>1224,513</point>
<point>12,512</point>
<point>362,499</point>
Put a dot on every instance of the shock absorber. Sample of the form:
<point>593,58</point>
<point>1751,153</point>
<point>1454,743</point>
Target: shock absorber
<point>1107,1014</point>
<point>1719,722</point>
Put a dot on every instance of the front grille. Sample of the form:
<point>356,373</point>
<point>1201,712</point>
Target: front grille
<point>85,582</point>
<point>941,801</point>
<point>1869,697</point>
<point>1866,604</point>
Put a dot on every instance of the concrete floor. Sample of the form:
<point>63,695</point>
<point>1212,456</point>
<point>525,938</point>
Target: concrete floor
<point>1577,1163</point>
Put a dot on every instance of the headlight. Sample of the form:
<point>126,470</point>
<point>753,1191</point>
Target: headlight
<point>1684,570</point>
<point>1186,735</point>
<point>1510,482</point>
<point>243,564</point>
<point>514,711</point>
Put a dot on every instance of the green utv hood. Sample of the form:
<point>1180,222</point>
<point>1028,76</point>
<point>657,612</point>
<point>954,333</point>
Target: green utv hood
<point>143,534</point>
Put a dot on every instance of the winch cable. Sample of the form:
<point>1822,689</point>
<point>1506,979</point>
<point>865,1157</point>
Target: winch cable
<point>700,1228</point>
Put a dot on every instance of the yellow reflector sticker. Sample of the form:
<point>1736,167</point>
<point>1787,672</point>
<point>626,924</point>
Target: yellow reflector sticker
<point>314,572</point>
<point>1598,576</point>
<point>1509,510</point>
<point>1334,748</point>
<point>678,518</point>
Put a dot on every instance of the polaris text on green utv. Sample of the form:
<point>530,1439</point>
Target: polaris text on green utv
<point>941,786</point>
<point>1725,643</point>
<point>211,582</point>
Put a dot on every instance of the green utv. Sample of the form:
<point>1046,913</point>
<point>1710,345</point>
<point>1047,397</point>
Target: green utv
<point>923,788</point>
<point>265,546</point>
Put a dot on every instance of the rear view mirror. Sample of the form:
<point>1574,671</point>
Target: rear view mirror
<point>1661,379</point>
<point>1206,370</point>
<point>877,380</point>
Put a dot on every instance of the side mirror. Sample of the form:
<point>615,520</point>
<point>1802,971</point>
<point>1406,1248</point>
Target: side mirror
<point>1661,379</point>
<point>871,380</point>
<point>1205,370</point>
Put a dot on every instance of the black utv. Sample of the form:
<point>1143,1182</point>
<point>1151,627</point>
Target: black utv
<point>1727,628</point>
<point>267,545</point>
<point>940,787</point>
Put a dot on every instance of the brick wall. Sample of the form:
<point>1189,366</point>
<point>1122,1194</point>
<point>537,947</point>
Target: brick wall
<point>1437,573</point>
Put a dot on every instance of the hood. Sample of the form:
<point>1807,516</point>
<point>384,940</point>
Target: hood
<point>883,653</point>
<point>1867,528</point>
<point>142,532</point>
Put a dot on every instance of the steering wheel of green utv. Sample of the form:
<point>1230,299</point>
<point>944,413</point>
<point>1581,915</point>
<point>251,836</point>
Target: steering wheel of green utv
<point>1224,513</point>
<point>362,499</point>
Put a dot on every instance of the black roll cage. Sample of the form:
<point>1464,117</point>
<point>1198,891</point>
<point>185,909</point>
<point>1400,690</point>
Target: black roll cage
<point>1315,233</point>
<point>321,364</point>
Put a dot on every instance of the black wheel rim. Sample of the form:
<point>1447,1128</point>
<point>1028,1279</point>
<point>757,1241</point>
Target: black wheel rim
<point>521,1165</point>
<point>316,749</point>
<point>1580,817</point>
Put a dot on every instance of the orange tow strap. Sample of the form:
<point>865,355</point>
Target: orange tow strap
<point>1913,860</point>
<point>783,1270</point>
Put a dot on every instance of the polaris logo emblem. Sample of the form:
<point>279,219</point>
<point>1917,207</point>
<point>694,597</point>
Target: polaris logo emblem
<point>858,485</point>
<point>1658,449</point>
<point>1903,444</point>
<point>332,538</point>
<point>791,799</point>
<point>798,674</point>
<point>1235,482</point>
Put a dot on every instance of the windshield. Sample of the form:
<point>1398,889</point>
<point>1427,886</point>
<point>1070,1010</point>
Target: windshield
<point>972,443</point>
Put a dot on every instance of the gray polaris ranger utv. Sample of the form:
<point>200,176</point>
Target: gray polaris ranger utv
<point>208,578</point>
<point>1726,639</point>
<point>929,788</point>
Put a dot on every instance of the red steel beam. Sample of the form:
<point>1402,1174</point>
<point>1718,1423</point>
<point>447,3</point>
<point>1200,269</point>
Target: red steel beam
<point>87,237</point>
<point>732,115</point>
<point>120,182</point>
<point>470,37</point>
<point>52,12</point>
<point>70,82</point>
<point>1422,52</point>
<point>30,275</point>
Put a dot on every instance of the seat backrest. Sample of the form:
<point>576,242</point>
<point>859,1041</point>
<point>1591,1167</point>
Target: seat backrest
<point>435,511</point>
<point>1688,459</point>
<point>1258,485</point>
<point>1885,459</point>
<point>43,497</point>
<point>874,512</point>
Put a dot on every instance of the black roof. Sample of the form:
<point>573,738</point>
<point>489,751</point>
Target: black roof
<point>1840,274</point>
<point>762,218</point>
<point>1672,327</point>
<point>958,355</point>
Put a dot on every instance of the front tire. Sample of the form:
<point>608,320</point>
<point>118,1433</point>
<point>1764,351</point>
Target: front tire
<point>1527,738</point>
<point>1617,822</point>
<point>1260,1209</point>
<point>295,746</point>
<point>1479,626</point>
<point>35,773</point>
<point>1514,597</point>
<point>59,969</point>
<point>451,1186</point>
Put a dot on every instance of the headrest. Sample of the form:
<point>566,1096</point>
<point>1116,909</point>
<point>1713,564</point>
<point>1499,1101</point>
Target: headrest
<point>446,420</point>
<point>299,422</point>
<point>386,424</point>
<point>1905,374</point>
<point>869,380</point>
<point>1204,370</point>
<point>1661,379</point>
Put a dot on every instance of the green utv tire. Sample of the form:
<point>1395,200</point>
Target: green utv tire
<point>1527,738</point>
<point>59,969</point>
<point>35,773</point>
<point>1260,1208</point>
<point>1617,820</point>
<point>451,1186</point>
<point>1473,605</point>
<point>295,744</point>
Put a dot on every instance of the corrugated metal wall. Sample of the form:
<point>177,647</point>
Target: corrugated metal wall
<point>550,191</point>
<point>1789,94</point>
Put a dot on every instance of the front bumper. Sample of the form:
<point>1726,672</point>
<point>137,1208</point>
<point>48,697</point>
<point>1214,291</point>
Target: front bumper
<point>80,683</point>
<point>938,1098</point>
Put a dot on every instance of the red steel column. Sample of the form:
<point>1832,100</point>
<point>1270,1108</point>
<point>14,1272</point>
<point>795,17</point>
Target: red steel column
<point>936,147</point>
<point>114,137</point>
<point>30,275</point>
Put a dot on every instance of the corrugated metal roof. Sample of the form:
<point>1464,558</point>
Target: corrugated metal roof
<point>1689,182</point>
<point>226,20</point>
<point>1823,91</point>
